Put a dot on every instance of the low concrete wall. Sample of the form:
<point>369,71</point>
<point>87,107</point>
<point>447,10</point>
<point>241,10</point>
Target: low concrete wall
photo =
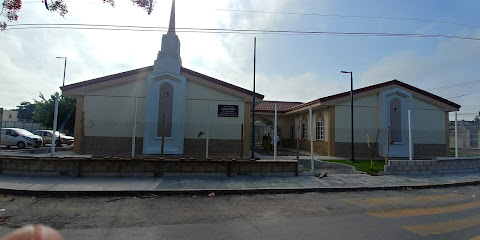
<point>122,146</point>
<point>438,166</point>
<point>143,167</point>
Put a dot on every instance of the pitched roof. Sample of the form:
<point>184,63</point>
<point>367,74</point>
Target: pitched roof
<point>269,106</point>
<point>150,69</point>
<point>373,87</point>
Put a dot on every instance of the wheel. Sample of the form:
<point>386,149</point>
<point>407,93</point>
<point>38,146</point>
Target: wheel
<point>21,145</point>
<point>58,143</point>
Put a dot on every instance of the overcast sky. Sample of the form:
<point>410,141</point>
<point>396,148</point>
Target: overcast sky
<point>289,67</point>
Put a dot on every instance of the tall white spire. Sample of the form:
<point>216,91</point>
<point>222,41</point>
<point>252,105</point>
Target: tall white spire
<point>168,59</point>
<point>171,27</point>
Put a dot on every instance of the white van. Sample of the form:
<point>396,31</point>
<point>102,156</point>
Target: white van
<point>20,138</point>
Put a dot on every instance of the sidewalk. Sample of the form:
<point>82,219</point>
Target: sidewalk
<point>244,184</point>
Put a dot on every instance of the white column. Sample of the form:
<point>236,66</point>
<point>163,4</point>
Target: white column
<point>134,135</point>
<point>55,115</point>
<point>410,155</point>
<point>275,135</point>
<point>207,137</point>
<point>311,140</point>
<point>456,137</point>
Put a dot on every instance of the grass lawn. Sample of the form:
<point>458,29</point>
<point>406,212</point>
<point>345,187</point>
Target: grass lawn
<point>363,165</point>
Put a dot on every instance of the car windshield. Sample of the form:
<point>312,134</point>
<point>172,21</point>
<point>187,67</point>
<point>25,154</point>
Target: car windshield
<point>23,132</point>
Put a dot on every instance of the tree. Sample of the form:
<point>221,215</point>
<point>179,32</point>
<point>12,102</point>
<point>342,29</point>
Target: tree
<point>44,111</point>
<point>476,121</point>
<point>10,8</point>
<point>25,110</point>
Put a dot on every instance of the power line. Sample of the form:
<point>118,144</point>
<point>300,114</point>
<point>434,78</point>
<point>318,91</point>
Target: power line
<point>467,113</point>
<point>454,85</point>
<point>466,94</point>
<point>351,16</point>
<point>227,31</point>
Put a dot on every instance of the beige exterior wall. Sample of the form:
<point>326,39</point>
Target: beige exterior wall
<point>9,116</point>
<point>365,119</point>
<point>428,123</point>
<point>110,111</point>
<point>202,107</point>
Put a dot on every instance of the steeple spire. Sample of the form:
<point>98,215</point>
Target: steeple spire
<point>171,27</point>
<point>168,59</point>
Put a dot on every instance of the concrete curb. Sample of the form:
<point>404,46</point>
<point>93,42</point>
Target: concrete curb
<point>168,192</point>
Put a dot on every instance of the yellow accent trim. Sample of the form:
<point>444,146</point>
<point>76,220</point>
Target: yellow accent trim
<point>426,211</point>
<point>444,227</point>
<point>392,200</point>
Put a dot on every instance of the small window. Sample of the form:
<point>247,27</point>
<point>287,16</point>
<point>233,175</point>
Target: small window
<point>320,127</point>
<point>9,115</point>
<point>304,128</point>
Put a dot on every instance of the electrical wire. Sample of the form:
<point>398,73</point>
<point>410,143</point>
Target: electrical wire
<point>455,85</point>
<point>228,31</point>
<point>466,94</point>
<point>350,16</point>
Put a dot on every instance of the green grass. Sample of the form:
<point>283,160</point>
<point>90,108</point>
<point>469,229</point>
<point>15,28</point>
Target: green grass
<point>363,165</point>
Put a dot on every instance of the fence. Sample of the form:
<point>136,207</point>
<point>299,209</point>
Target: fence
<point>118,126</point>
<point>468,139</point>
<point>29,126</point>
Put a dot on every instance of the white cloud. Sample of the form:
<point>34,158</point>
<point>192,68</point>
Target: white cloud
<point>453,61</point>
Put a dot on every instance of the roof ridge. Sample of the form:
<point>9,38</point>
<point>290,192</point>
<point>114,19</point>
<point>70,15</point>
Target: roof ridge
<point>378,85</point>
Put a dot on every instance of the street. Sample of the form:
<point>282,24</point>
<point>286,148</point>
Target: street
<point>446,213</point>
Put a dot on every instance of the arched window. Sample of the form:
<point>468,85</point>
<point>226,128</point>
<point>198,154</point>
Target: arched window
<point>165,110</point>
<point>320,124</point>
<point>304,128</point>
<point>292,129</point>
<point>396,120</point>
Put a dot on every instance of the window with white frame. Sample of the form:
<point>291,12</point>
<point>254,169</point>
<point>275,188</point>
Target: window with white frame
<point>304,128</point>
<point>320,127</point>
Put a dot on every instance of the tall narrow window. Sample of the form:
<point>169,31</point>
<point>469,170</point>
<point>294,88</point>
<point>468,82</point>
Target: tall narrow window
<point>396,120</point>
<point>304,127</point>
<point>292,129</point>
<point>165,109</point>
<point>320,127</point>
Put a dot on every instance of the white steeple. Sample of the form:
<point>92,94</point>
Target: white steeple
<point>168,59</point>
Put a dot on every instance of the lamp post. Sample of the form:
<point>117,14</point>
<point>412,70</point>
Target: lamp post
<point>351,112</point>
<point>253,97</point>
<point>64,69</point>
<point>55,114</point>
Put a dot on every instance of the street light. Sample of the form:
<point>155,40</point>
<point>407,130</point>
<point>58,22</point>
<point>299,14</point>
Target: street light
<point>64,69</point>
<point>55,115</point>
<point>351,112</point>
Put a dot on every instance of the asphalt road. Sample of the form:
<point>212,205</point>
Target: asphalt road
<point>447,213</point>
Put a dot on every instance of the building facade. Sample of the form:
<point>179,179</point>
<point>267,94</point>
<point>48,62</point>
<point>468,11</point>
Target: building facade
<point>169,109</point>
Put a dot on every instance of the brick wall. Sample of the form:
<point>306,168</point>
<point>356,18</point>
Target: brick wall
<point>143,167</point>
<point>444,165</point>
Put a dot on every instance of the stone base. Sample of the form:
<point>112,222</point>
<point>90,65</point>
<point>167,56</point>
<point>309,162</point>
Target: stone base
<point>144,167</point>
<point>446,165</point>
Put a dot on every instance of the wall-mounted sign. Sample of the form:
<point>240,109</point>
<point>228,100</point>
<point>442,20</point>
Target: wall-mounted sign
<point>228,110</point>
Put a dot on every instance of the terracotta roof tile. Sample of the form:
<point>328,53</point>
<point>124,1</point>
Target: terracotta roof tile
<point>269,106</point>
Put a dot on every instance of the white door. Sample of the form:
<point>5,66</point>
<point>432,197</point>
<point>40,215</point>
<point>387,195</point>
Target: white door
<point>10,137</point>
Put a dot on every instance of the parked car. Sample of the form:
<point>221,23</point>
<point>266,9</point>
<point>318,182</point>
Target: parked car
<point>60,137</point>
<point>20,138</point>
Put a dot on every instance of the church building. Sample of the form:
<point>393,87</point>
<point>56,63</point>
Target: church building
<point>180,109</point>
